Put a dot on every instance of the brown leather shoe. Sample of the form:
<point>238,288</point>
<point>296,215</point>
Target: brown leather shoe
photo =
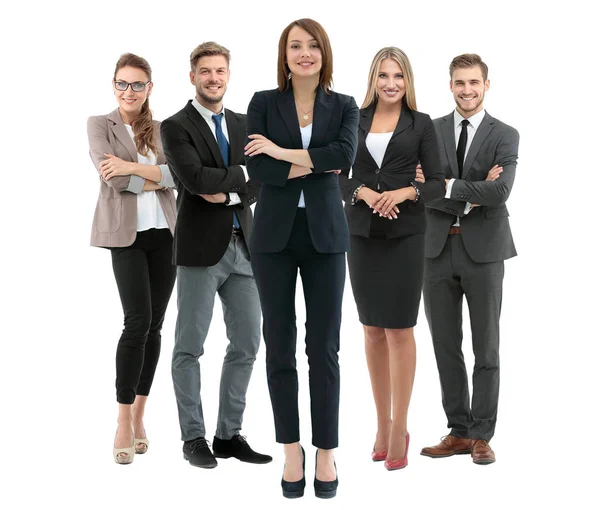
<point>450,445</point>
<point>482,453</point>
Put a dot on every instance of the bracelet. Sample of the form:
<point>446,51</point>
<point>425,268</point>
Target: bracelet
<point>355,194</point>
<point>418,192</point>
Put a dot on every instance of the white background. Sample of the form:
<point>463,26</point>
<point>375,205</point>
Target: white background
<point>61,315</point>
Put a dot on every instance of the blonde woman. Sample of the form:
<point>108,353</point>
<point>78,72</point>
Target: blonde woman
<point>386,217</point>
<point>135,219</point>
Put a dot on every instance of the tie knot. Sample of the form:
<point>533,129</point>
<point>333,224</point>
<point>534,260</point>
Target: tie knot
<point>217,118</point>
<point>464,122</point>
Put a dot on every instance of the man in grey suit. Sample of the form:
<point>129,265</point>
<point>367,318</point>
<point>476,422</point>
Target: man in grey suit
<point>468,238</point>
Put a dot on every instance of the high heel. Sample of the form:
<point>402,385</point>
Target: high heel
<point>292,490</point>
<point>378,456</point>
<point>391,465</point>
<point>325,490</point>
<point>124,455</point>
<point>141,445</point>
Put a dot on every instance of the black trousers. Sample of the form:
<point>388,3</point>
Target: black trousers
<point>447,278</point>
<point>145,277</point>
<point>323,276</point>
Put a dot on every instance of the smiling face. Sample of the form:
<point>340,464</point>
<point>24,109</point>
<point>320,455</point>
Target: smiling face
<point>303,55</point>
<point>469,88</point>
<point>210,79</point>
<point>390,82</point>
<point>131,102</point>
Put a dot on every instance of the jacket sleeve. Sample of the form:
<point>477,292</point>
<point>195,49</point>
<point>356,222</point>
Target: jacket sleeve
<point>492,193</point>
<point>341,153</point>
<point>263,168</point>
<point>185,163</point>
<point>97,129</point>
<point>429,157</point>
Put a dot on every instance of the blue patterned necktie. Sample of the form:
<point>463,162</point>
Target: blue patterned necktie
<point>224,148</point>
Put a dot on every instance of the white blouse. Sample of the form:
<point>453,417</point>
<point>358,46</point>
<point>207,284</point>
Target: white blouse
<point>306,133</point>
<point>149,211</point>
<point>377,144</point>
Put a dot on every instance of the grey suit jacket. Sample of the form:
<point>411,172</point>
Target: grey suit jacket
<point>485,230</point>
<point>115,219</point>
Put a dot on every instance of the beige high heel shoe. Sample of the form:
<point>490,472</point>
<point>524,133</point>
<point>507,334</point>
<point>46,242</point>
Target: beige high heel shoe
<point>124,455</point>
<point>141,445</point>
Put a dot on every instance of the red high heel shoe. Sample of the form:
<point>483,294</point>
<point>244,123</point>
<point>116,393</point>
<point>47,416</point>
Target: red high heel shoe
<point>391,465</point>
<point>378,456</point>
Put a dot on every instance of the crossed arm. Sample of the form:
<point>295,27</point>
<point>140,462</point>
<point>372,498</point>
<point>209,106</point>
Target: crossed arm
<point>120,174</point>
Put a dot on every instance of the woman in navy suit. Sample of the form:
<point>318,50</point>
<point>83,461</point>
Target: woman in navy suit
<point>386,216</point>
<point>301,134</point>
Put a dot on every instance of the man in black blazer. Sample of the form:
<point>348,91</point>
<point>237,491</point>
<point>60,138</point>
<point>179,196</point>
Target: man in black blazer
<point>468,238</point>
<point>204,146</point>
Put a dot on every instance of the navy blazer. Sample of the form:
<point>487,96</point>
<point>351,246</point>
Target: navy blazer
<point>332,147</point>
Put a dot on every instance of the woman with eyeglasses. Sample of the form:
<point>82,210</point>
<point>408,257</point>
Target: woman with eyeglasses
<point>135,219</point>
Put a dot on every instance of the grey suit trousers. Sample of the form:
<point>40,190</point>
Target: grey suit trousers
<point>447,278</point>
<point>232,279</point>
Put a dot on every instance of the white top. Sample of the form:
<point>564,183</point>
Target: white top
<point>306,133</point>
<point>474,123</point>
<point>377,144</point>
<point>207,116</point>
<point>149,211</point>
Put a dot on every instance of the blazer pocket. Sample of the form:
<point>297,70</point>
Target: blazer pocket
<point>108,215</point>
<point>496,213</point>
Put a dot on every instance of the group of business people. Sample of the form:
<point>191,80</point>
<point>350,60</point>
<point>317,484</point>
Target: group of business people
<point>424,212</point>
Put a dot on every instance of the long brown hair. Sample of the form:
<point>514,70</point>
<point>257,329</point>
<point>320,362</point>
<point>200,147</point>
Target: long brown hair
<point>319,34</point>
<point>400,57</point>
<point>144,131</point>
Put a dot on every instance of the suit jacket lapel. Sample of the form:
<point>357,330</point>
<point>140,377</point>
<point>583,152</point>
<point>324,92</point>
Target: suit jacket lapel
<point>121,134</point>
<point>204,130</point>
<point>321,117</point>
<point>448,136</point>
<point>404,122</point>
<point>484,129</point>
<point>287,110</point>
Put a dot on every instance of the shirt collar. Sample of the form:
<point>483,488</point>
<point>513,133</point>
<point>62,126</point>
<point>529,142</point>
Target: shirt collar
<point>205,112</point>
<point>474,120</point>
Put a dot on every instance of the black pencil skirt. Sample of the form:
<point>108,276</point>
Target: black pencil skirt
<point>387,278</point>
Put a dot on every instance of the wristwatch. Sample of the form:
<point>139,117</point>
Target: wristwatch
<point>227,199</point>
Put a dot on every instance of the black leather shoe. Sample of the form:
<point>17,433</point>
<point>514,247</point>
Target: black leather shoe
<point>198,453</point>
<point>239,448</point>
<point>325,490</point>
<point>292,490</point>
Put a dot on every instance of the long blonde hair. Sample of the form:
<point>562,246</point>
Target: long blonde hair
<point>399,56</point>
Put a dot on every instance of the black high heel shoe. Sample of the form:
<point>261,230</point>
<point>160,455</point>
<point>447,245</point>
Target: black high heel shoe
<point>292,490</point>
<point>325,490</point>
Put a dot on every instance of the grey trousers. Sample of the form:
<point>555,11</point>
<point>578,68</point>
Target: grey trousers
<point>232,279</point>
<point>447,278</point>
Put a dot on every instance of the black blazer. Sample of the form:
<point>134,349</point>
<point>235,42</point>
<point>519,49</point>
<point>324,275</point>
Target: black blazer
<point>203,229</point>
<point>413,141</point>
<point>332,146</point>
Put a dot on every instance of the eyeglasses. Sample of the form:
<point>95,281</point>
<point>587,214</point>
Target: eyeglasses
<point>136,86</point>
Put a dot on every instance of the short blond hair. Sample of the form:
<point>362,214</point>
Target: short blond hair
<point>208,49</point>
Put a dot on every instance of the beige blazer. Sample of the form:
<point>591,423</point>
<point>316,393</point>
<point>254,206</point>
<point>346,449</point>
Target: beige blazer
<point>115,219</point>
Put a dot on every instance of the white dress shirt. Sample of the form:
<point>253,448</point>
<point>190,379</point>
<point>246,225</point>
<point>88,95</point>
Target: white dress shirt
<point>149,211</point>
<point>207,116</point>
<point>474,123</point>
<point>306,133</point>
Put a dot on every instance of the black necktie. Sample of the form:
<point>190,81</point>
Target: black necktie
<point>462,145</point>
